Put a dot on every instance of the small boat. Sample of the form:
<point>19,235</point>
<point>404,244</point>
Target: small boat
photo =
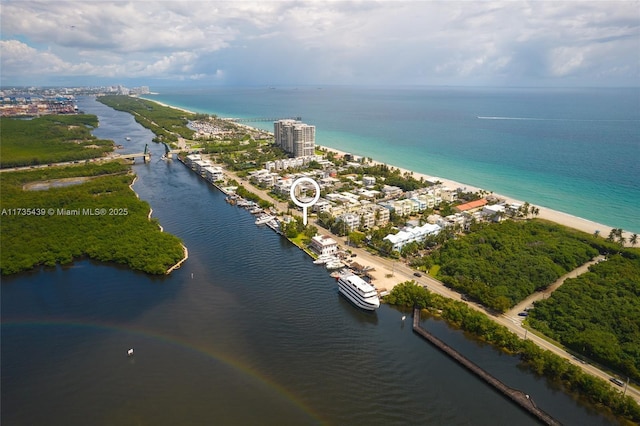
<point>130,352</point>
<point>334,264</point>
<point>321,260</point>
<point>264,218</point>
<point>127,138</point>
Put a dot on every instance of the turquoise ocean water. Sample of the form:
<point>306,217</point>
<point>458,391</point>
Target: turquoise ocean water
<point>572,150</point>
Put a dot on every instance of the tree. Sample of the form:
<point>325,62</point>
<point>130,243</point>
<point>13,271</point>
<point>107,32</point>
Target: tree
<point>634,240</point>
<point>356,238</point>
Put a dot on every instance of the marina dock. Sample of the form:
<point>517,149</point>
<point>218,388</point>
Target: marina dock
<point>517,396</point>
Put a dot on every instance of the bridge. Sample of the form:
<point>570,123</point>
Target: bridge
<point>146,155</point>
<point>168,152</point>
<point>258,119</point>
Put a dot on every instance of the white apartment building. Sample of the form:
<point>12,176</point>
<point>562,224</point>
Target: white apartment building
<point>409,235</point>
<point>295,137</point>
<point>351,221</point>
<point>213,174</point>
<point>324,245</point>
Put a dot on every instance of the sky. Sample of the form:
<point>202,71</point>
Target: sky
<point>284,43</point>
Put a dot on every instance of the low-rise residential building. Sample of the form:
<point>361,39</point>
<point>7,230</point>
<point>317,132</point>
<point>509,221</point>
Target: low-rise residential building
<point>213,174</point>
<point>390,191</point>
<point>448,195</point>
<point>350,220</point>
<point>412,234</point>
<point>368,181</point>
<point>191,159</point>
<point>324,245</point>
<point>495,212</point>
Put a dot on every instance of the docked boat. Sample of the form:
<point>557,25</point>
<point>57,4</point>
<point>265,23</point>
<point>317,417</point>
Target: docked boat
<point>334,264</point>
<point>264,218</point>
<point>359,292</point>
<point>321,260</point>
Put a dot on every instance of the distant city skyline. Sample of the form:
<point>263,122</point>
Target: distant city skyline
<point>285,43</point>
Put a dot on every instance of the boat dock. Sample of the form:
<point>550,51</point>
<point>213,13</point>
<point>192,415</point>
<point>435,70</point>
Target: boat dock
<point>515,395</point>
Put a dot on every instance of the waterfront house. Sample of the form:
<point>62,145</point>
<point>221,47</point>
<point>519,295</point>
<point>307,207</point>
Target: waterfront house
<point>324,245</point>
<point>495,212</point>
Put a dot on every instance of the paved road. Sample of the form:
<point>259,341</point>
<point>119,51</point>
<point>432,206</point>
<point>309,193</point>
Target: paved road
<point>511,320</point>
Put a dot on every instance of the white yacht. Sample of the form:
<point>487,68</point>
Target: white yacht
<point>358,292</point>
<point>264,218</point>
<point>334,264</point>
<point>324,258</point>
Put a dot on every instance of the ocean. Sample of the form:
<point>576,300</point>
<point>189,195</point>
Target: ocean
<point>247,332</point>
<point>572,150</point>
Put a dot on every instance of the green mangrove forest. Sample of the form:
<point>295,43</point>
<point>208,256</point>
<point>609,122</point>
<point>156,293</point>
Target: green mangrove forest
<point>166,123</point>
<point>87,211</point>
<point>50,139</point>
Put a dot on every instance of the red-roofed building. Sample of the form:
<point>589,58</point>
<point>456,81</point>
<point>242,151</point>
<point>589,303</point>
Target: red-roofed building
<point>472,205</point>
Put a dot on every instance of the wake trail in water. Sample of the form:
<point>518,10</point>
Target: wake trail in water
<point>550,119</point>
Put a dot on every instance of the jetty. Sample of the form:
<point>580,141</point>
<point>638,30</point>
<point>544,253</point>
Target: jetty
<point>517,396</point>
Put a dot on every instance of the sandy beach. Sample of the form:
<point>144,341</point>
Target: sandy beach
<point>562,218</point>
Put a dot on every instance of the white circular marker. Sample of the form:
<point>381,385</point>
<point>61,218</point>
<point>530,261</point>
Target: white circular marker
<point>307,204</point>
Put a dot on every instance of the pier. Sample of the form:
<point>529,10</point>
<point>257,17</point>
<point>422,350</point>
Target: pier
<point>517,396</point>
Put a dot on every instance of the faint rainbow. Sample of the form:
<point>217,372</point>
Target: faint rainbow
<point>176,341</point>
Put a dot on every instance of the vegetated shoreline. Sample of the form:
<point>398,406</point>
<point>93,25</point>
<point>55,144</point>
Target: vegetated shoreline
<point>559,218</point>
<point>16,265</point>
<point>547,213</point>
<point>184,248</point>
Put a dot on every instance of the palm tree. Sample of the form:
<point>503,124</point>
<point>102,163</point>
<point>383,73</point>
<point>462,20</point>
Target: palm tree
<point>634,240</point>
<point>622,240</point>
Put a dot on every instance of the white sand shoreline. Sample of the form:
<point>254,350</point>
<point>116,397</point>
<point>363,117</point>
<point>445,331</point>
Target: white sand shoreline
<point>547,213</point>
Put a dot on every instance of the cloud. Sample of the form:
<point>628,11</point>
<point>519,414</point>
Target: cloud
<point>325,42</point>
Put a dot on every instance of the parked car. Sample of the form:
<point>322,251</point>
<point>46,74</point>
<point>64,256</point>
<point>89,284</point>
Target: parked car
<point>616,381</point>
<point>523,314</point>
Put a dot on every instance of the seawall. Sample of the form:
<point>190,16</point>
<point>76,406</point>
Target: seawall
<point>517,396</point>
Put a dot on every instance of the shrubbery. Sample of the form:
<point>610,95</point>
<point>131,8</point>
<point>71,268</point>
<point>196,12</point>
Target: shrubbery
<point>598,313</point>
<point>501,264</point>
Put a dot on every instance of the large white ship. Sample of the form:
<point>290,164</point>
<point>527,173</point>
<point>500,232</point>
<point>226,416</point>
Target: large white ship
<point>358,292</point>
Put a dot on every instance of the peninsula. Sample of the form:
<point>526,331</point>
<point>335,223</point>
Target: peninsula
<point>378,207</point>
<point>68,203</point>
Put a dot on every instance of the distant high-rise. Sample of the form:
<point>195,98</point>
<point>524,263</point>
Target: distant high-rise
<point>295,137</point>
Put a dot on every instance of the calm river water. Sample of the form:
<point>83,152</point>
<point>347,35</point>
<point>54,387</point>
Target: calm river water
<point>248,331</point>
